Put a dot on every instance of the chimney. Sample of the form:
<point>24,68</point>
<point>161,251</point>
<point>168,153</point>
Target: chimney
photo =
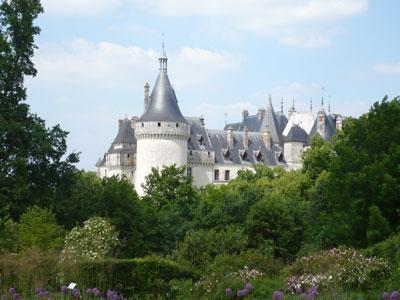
<point>134,119</point>
<point>202,120</point>
<point>267,138</point>
<point>321,123</point>
<point>229,136</point>
<point>260,113</point>
<point>245,114</point>
<point>146,95</point>
<point>246,138</point>
<point>339,122</point>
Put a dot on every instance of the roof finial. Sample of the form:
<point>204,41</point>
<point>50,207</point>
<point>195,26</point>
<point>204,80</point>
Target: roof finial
<point>282,105</point>
<point>311,105</point>
<point>293,103</point>
<point>226,116</point>
<point>329,104</point>
<point>163,58</point>
<point>270,98</point>
<point>322,99</point>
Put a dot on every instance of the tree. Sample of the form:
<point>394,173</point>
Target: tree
<point>363,172</point>
<point>33,160</point>
<point>378,227</point>
<point>171,200</point>
<point>318,158</point>
<point>202,246</point>
<point>271,222</point>
<point>112,198</point>
<point>38,229</point>
<point>96,239</point>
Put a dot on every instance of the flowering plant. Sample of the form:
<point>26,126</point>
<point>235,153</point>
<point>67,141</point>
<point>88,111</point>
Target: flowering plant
<point>338,266</point>
<point>96,239</point>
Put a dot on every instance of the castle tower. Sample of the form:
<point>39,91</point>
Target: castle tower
<point>162,132</point>
<point>321,120</point>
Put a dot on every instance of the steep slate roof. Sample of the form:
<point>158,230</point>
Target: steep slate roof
<point>282,121</point>
<point>304,119</point>
<point>330,129</point>
<point>126,134</point>
<point>257,123</point>
<point>126,137</point>
<point>163,104</point>
<point>235,154</point>
<point>296,134</point>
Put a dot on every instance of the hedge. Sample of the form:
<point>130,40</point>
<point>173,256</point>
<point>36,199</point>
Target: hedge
<point>133,277</point>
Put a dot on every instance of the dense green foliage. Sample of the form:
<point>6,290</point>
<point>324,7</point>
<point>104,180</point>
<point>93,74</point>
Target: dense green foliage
<point>202,241</point>
<point>33,160</point>
<point>38,229</point>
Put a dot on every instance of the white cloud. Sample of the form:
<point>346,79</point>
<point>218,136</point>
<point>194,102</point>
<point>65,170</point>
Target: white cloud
<point>80,7</point>
<point>389,69</point>
<point>301,23</point>
<point>81,61</point>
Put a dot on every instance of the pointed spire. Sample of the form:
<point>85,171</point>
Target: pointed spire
<point>163,58</point>
<point>329,104</point>
<point>270,99</point>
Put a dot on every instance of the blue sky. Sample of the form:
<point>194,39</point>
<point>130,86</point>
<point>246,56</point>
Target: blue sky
<point>224,56</point>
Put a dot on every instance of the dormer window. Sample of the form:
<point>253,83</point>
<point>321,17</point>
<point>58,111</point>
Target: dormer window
<point>226,153</point>
<point>201,140</point>
<point>159,124</point>
<point>243,155</point>
<point>258,155</point>
<point>177,125</point>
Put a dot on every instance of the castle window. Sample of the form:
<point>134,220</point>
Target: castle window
<point>189,171</point>
<point>209,153</point>
<point>216,174</point>
<point>159,124</point>
<point>190,152</point>
<point>142,124</point>
<point>227,174</point>
<point>129,155</point>
<point>177,125</point>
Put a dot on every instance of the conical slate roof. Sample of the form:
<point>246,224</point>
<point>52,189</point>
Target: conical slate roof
<point>125,134</point>
<point>296,134</point>
<point>163,104</point>
<point>272,123</point>
<point>282,121</point>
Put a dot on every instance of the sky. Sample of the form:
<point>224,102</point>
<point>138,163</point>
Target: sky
<point>95,56</point>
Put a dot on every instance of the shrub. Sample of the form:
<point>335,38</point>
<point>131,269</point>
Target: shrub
<point>28,270</point>
<point>140,276</point>
<point>202,246</point>
<point>344,268</point>
<point>96,239</point>
<point>38,228</point>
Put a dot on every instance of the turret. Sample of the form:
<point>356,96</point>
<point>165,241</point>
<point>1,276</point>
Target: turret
<point>321,120</point>
<point>229,136</point>
<point>162,132</point>
<point>146,95</point>
<point>246,138</point>
<point>267,138</point>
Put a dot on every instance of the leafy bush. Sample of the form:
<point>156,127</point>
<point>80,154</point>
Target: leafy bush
<point>201,246</point>
<point>96,239</point>
<point>28,270</point>
<point>139,277</point>
<point>345,268</point>
<point>38,228</point>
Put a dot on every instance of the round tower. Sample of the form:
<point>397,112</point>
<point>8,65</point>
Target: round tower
<point>162,132</point>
